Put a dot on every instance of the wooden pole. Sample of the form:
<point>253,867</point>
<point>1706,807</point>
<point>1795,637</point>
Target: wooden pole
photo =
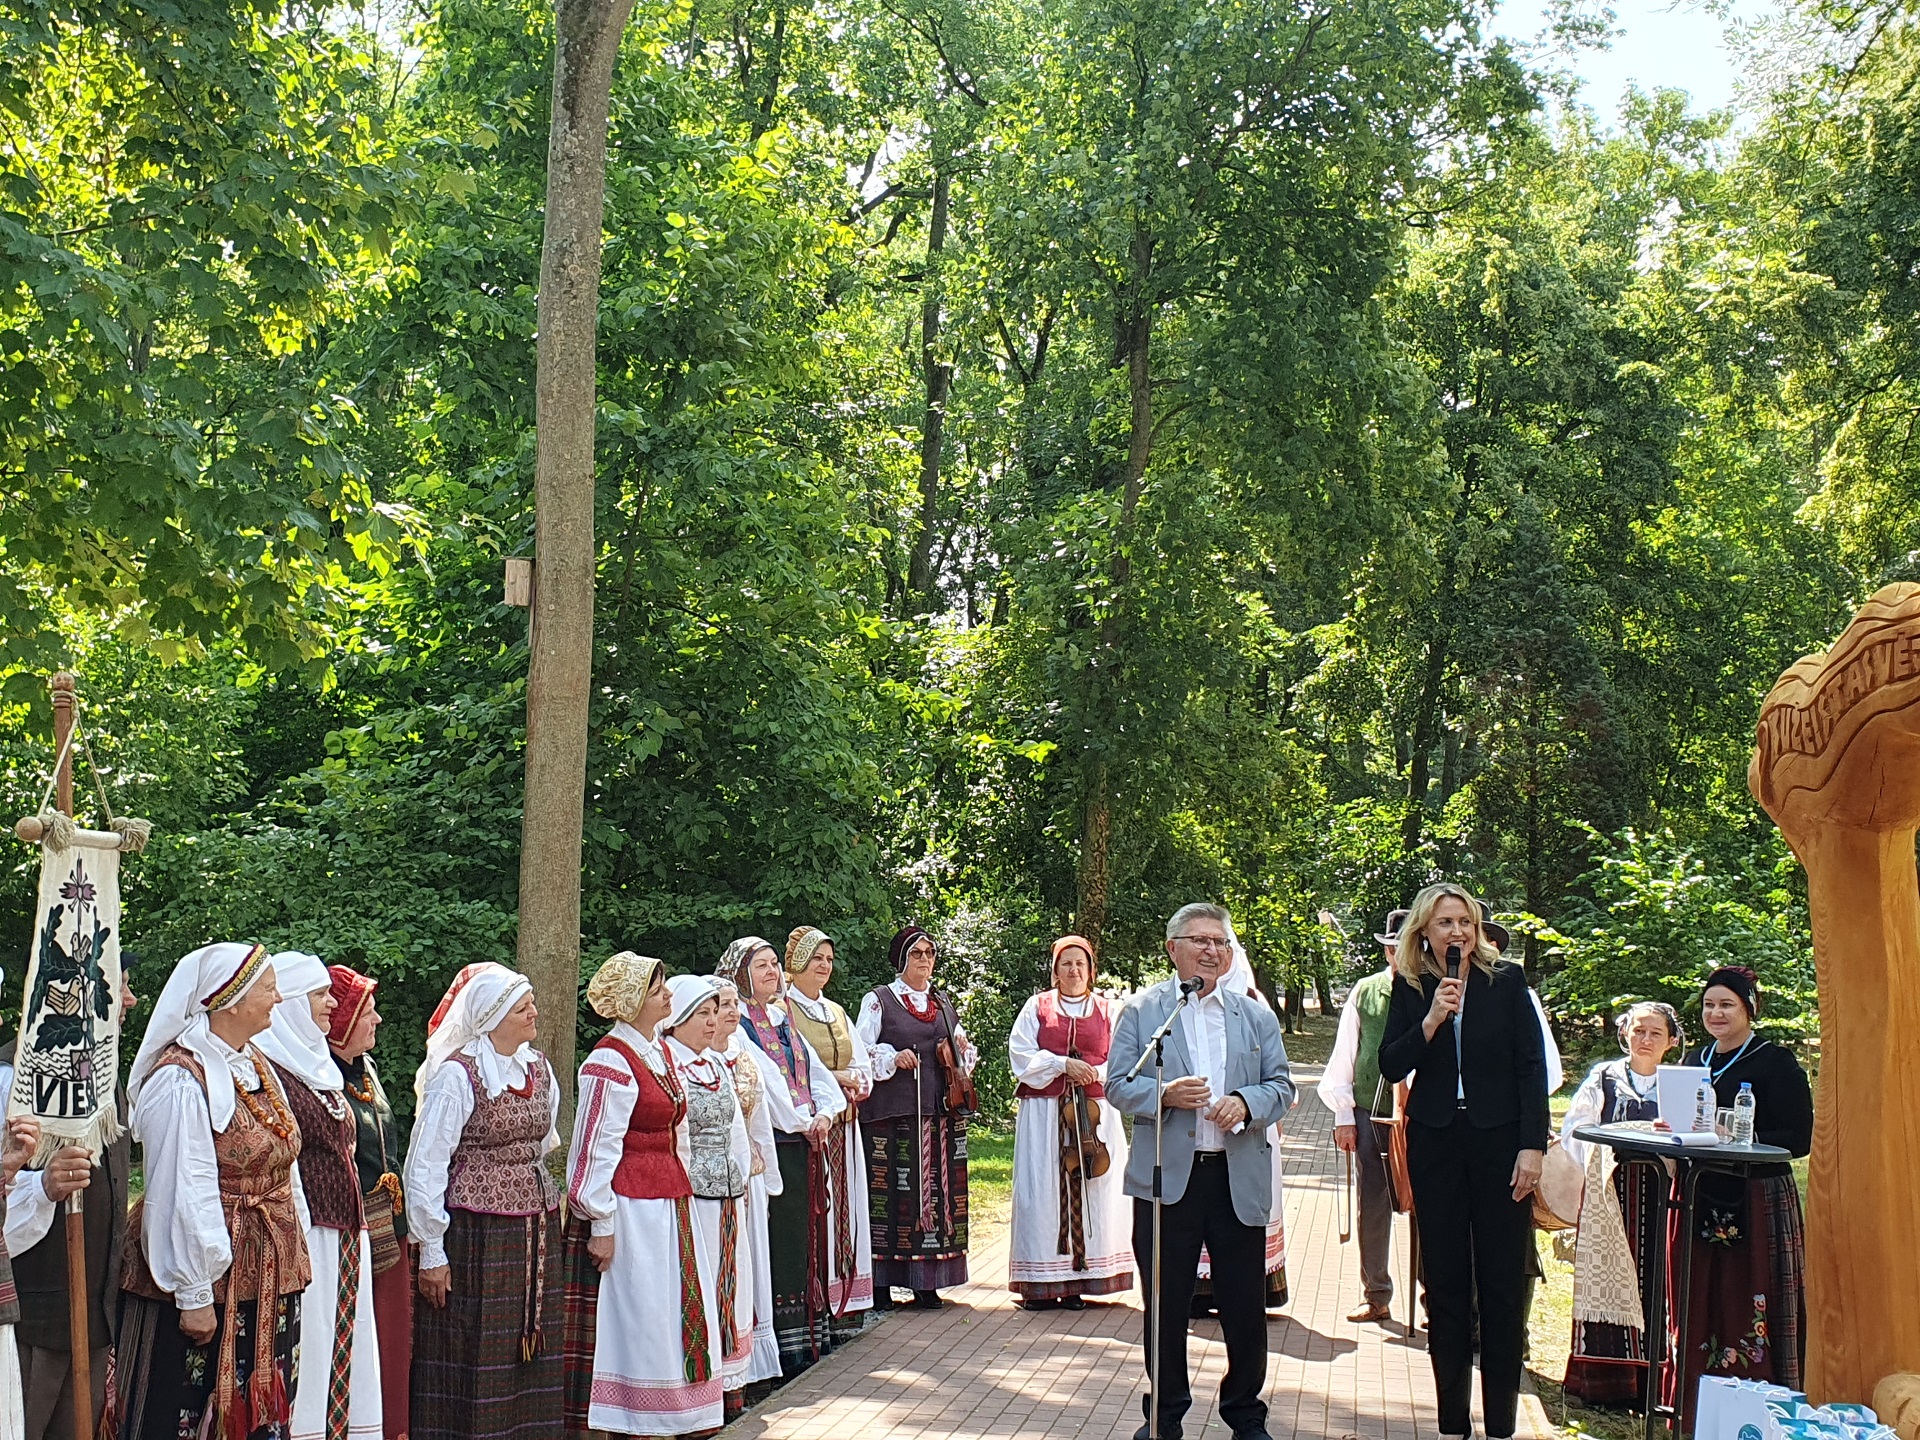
<point>81,1371</point>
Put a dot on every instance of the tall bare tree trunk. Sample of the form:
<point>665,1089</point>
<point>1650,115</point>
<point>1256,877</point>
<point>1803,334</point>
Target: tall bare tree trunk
<point>939,381</point>
<point>559,678</point>
<point>1135,346</point>
<point>1091,881</point>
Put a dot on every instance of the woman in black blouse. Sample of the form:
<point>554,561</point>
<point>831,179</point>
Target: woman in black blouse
<point>1476,1140</point>
<point>1748,1309</point>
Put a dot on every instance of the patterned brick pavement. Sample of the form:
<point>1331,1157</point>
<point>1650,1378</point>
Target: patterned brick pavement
<point>982,1367</point>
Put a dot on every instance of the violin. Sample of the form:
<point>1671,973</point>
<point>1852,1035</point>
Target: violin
<point>960,1097</point>
<point>1081,1148</point>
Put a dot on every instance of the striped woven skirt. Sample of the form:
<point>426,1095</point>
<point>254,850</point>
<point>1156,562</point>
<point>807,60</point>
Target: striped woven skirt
<point>917,1186</point>
<point>472,1377</point>
<point>797,1250</point>
<point>162,1384</point>
<point>643,1341</point>
<point>339,1356</point>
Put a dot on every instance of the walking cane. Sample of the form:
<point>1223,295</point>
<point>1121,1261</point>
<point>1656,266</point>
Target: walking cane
<point>1346,1195</point>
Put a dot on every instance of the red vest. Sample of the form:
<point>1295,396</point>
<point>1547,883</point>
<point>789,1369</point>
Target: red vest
<point>650,1167</point>
<point>1086,1038</point>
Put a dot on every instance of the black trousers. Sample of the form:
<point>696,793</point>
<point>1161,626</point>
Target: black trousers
<point>1238,1255</point>
<point>1473,1235</point>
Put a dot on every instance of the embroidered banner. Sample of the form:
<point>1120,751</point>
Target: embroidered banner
<point>69,1052</point>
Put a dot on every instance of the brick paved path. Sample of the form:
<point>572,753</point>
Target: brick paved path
<point>982,1367</point>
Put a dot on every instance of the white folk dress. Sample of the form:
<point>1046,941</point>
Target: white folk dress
<point>1038,1268</point>
<point>647,1300</point>
<point>763,1181</point>
<point>717,1153</point>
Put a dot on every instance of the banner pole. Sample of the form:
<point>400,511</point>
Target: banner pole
<point>81,1369</point>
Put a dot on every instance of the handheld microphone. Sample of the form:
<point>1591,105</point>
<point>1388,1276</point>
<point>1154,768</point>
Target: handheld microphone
<point>1453,962</point>
<point>1193,986</point>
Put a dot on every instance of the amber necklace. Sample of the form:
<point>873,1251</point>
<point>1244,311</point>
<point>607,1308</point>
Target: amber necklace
<point>274,1113</point>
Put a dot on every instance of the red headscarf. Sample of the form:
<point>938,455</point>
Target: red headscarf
<point>351,992</point>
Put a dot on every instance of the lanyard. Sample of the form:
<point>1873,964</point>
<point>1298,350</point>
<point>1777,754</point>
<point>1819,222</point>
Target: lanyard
<point>1706,1059</point>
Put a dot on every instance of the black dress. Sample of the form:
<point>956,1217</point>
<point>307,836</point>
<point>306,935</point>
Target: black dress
<point>1747,1313</point>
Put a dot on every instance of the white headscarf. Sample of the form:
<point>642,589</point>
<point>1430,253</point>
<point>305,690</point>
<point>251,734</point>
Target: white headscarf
<point>477,1001</point>
<point>1239,977</point>
<point>688,992</point>
<point>214,977</point>
<point>296,1040</point>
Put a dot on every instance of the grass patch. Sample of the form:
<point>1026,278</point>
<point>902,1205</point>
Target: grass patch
<point>989,1175</point>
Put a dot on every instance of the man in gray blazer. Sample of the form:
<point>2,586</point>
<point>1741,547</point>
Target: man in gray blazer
<point>1227,1081</point>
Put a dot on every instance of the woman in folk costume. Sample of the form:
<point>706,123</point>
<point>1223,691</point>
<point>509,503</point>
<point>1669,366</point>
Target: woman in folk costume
<point>763,1178</point>
<point>216,1248</point>
<point>21,1139</point>
<point>802,1101</point>
<point>916,1151</point>
<point>718,1155</point>
<point>1619,1237</point>
<point>376,1161</point>
<point>826,1027</point>
<point>643,1348</point>
<point>486,1217</point>
<point>1241,978</point>
<point>338,1397</point>
<point>1747,1305</point>
<point>1071,1230</point>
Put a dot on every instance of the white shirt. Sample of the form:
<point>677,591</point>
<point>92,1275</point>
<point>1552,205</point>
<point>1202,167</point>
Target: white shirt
<point>1033,1065</point>
<point>867,1027</point>
<point>184,1227</point>
<point>444,1112</point>
<point>29,1212</point>
<point>1336,1081</point>
<point>1204,1023</point>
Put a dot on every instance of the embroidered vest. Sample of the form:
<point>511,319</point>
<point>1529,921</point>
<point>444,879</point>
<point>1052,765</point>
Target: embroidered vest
<point>256,1195</point>
<point>832,1038</point>
<point>781,1044</point>
<point>903,1030</point>
<point>747,1090</point>
<point>326,1155</point>
<point>650,1167</point>
<point>497,1167</point>
<point>1372,998</point>
<point>1086,1037</point>
<point>712,1167</point>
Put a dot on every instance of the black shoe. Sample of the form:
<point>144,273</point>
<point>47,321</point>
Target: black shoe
<point>927,1299</point>
<point>1074,1302</point>
<point>1037,1304</point>
<point>882,1298</point>
<point>1260,1434</point>
<point>1166,1433</point>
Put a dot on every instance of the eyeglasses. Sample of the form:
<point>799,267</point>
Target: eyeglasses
<point>1206,942</point>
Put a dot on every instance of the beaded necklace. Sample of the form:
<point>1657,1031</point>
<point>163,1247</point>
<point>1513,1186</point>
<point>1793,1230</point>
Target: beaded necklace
<point>274,1115</point>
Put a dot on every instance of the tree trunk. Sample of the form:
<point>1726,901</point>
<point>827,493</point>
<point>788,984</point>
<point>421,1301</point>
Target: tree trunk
<point>939,382</point>
<point>560,673</point>
<point>1323,987</point>
<point>1096,827</point>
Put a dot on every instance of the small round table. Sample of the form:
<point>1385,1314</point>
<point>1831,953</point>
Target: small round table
<point>1634,1144</point>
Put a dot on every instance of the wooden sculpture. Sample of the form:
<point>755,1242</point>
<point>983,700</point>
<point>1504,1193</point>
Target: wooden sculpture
<point>1838,768</point>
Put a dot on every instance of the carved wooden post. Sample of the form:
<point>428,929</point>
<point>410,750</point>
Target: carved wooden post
<point>1838,768</point>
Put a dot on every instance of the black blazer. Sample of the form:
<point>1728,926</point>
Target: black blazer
<point>1503,1061</point>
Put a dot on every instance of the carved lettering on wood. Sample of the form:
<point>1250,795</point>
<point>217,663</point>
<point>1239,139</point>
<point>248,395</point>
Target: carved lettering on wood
<point>1837,765</point>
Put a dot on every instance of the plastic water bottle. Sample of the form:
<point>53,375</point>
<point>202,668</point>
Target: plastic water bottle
<point>1743,1115</point>
<point>1703,1107</point>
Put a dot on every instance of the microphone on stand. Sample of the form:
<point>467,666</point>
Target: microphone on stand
<point>1196,984</point>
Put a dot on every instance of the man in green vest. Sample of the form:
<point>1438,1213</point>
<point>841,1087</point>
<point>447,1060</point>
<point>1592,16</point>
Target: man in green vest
<point>1350,1087</point>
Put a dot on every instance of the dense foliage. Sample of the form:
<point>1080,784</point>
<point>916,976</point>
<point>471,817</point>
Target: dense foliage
<point>1056,460</point>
